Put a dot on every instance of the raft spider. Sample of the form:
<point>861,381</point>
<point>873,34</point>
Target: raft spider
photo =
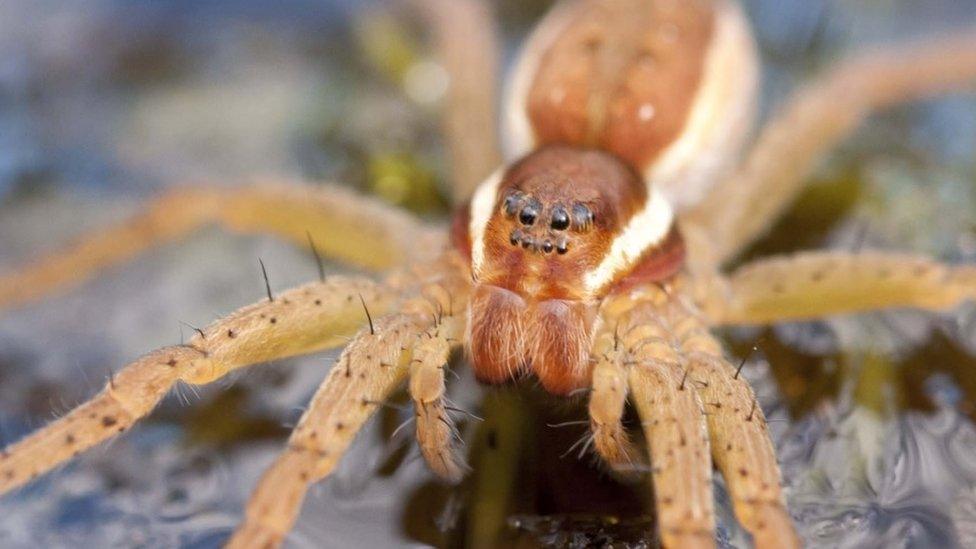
<point>593,261</point>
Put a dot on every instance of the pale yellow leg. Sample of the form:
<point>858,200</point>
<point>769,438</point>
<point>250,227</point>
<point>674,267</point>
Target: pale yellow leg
<point>467,45</point>
<point>342,224</point>
<point>740,440</point>
<point>674,426</point>
<point>608,400</point>
<point>370,368</point>
<point>816,284</point>
<point>435,429</point>
<point>673,422</point>
<point>308,318</point>
<point>812,122</point>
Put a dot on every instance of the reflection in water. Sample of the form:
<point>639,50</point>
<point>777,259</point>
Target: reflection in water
<point>867,482</point>
<point>100,101</point>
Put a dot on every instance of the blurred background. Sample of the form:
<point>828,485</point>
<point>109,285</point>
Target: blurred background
<point>104,102</point>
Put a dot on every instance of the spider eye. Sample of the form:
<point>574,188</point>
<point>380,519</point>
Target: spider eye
<point>560,219</point>
<point>528,215</point>
<point>582,217</point>
<point>510,205</point>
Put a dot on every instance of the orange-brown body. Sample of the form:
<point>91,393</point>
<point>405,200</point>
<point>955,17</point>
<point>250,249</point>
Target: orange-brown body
<point>605,94</point>
<point>600,82</point>
<point>554,218</point>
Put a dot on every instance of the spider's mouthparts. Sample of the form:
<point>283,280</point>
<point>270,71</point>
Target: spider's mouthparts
<point>512,335</point>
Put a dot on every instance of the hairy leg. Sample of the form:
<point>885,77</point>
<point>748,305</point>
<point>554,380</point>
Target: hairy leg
<point>369,369</point>
<point>343,225</point>
<point>467,44</point>
<point>673,422</point>
<point>608,400</point>
<point>815,284</point>
<point>740,442</point>
<point>305,319</point>
<point>436,431</point>
<point>812,122</point>
<point>674,426</point>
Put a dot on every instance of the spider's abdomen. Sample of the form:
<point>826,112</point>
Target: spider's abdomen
<point>548,238</point>
<point>668,86</point>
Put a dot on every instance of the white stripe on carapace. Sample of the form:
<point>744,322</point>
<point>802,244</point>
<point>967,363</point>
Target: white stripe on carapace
<point>647,228</point>
<point>482,207</point>
<point>720,116</point>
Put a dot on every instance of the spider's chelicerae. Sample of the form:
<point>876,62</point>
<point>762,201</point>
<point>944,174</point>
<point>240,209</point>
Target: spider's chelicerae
<point>592,261</point>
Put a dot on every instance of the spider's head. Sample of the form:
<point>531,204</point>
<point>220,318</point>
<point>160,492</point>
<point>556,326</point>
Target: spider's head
<point>564,223</point>
<point>548,238</point>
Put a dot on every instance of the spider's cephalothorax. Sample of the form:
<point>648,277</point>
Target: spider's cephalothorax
<point>612,107</point>
<point>548,238</point>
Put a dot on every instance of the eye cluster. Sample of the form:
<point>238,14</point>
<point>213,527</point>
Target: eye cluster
<point>534,219</point>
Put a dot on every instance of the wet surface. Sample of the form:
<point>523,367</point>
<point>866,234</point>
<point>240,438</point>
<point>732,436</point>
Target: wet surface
<point>103,102</point>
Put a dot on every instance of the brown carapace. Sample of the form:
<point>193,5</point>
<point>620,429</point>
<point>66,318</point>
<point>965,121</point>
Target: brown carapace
<point>548,239</point>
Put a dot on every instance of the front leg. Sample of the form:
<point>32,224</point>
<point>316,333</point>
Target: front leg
<point>643,348</point>
<point>368,371</point>
<point>681,385</point>
<point>303,320</point>
<point>817,284</point>
<point>674,424</point>
<point>739,436</point>
<point>374,365</point>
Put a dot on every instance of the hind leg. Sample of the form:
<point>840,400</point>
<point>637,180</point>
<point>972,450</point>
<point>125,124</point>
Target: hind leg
<point>808,125</point>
